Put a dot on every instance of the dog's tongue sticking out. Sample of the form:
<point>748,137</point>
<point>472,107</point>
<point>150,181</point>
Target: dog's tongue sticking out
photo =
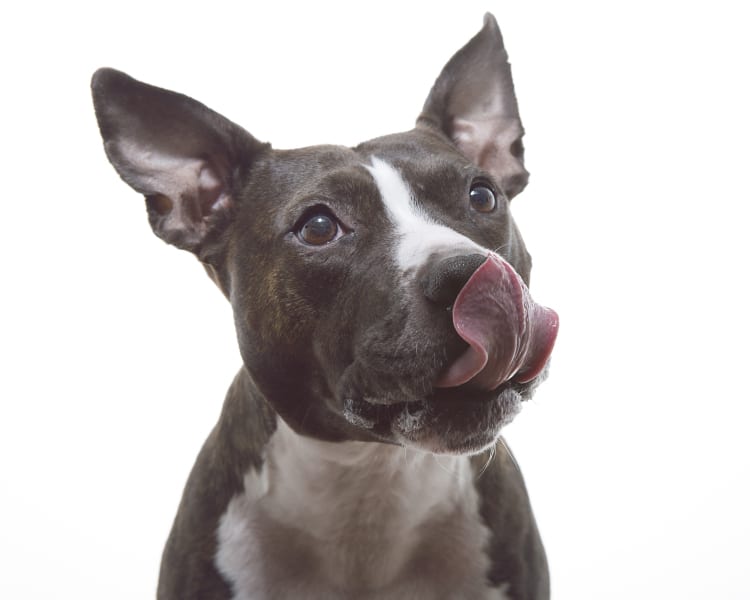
<point>509,335</point>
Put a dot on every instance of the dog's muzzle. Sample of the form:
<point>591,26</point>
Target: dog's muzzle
<point>509,336</point>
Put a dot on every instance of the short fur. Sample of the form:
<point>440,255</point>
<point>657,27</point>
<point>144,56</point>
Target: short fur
<point>342,343</point>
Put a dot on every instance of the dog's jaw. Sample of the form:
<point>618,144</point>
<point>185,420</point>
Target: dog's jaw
<point>446,422</point>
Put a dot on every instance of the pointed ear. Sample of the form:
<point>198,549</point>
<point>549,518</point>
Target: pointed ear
<point>473,102</point>
<point>182,156</point>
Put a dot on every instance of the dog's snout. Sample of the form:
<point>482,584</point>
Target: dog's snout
<point>444,280</point>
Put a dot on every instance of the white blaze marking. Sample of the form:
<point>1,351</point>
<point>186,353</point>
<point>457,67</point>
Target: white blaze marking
<point>418,235</point>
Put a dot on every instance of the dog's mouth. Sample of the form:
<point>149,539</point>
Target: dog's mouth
<point>505,343</point>
<point>461,420</point>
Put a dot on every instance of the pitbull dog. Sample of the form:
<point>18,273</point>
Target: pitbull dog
<point>387,334</point>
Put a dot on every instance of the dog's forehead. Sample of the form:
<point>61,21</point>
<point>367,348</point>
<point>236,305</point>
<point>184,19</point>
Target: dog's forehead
<point>425,161</point>
<point>398,183</point>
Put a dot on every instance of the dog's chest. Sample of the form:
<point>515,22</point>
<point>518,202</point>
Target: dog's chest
<point>335,521</point>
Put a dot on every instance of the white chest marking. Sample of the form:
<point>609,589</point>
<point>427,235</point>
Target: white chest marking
<point>325,521</point>
<point>418,236</point>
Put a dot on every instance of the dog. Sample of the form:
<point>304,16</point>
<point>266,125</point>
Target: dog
<point>387,335</point>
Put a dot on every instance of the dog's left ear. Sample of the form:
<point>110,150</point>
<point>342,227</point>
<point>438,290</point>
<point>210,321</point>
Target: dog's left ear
<point>474,103</point>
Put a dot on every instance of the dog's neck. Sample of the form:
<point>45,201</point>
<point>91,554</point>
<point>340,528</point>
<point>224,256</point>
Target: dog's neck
<point>355,485</point>
<point>355,513</point>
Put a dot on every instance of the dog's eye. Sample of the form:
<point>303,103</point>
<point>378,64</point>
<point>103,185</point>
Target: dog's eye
<point>482,198</point>
<point>319,230</point>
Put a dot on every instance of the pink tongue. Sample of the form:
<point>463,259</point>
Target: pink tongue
<point>509,335</point>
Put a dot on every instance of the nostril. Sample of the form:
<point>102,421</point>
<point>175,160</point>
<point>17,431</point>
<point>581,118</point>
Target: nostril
<point>444,280</point>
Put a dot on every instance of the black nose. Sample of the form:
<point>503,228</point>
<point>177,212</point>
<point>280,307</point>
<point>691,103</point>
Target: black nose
<point>444,280</point>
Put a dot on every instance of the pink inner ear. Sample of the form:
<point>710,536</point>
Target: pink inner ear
<point>188,191</point>
<point>212,194</point>
<point>487,140</point>
<point>477,140</point>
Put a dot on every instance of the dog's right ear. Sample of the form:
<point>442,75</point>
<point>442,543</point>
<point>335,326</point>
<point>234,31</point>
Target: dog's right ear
<point>182,156</point>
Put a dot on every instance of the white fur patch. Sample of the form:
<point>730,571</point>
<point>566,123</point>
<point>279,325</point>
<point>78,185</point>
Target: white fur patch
<point>335,521</point>
<point>418,235</point>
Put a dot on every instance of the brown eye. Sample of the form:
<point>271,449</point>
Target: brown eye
<point>482,198</point>
<point>319,230</point>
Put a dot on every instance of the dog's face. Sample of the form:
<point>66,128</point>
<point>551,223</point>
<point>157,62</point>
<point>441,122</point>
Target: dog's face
<point>363,280</point>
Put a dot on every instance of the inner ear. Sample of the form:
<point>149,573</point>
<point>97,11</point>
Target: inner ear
<point>179,154</point>
<point>183,215</point>
<point>473,102</point>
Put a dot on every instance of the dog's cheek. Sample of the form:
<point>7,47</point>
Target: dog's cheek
<point>352,294</point>
<point>275,311</point>
<point>394,357</point>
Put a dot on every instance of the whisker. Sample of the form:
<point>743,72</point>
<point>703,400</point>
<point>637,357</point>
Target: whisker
<point>487,464</point>
<point>442,467</point>
<point>510,454</point>
<point>501,247</point>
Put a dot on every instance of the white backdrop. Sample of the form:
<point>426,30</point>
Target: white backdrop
<point>117,350</point>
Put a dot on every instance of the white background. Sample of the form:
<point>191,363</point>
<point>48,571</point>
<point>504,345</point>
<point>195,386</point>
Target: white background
<point>117,350</point>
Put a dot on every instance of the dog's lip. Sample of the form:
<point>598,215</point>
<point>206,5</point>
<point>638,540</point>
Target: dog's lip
<point>371,415</point>
<point>375,417</point>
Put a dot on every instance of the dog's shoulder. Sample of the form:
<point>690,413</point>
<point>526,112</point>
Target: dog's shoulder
<point>234,448</point>
<point>515,548</point>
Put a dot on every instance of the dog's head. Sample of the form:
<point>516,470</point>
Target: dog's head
<point>379,292</point>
